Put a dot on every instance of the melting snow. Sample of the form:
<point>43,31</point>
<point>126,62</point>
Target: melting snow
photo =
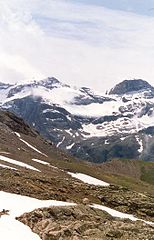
<point>5,166</point>
<point>104,109</point>
<point>140,144</point>
<point>88,179</point>
<point>29,145</point>
<point>18,134</point>
<point>118,214</point>
<point>17,205</point>
<point>45,163</point>
<point>13,229</point>
<point>35,149</point>
<point>61,142</point>
<point>40,161</point>
<point>110,128</point>
<point>122,138</point>
<point>106,142</point>
<point>21,164</point>
<point>70,146</point>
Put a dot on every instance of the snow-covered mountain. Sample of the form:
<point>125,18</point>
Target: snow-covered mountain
<point>89,125</point>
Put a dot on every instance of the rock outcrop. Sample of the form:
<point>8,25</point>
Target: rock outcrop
<point>80,222</point>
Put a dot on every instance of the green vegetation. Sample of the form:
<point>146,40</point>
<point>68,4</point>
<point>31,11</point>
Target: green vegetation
<point>147,172</point>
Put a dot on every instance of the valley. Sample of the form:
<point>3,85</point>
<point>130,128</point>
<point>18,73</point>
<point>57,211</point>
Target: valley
<point>34,167</point>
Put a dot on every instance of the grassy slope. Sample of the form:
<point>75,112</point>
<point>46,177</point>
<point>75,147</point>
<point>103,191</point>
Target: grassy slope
<point>143,181</point>
<point>136,175</point>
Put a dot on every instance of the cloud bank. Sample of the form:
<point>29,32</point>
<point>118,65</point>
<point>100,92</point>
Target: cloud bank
<point>83,45</point>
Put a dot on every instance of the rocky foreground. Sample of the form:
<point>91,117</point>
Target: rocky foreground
<point>83,222</point>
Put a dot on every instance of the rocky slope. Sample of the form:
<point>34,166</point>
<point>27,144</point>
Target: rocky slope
<point>83,222</point>
<point>89,125</point>
<point>32,166</point>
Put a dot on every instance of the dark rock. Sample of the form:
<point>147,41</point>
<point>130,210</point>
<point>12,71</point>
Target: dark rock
<point>128,86</point>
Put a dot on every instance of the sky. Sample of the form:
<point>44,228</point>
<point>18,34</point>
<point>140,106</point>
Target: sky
<point>93,43</point>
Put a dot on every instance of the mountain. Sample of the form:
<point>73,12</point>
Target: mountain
<point>87,124</point>
<point>46,194</point>
<point>128,86</point>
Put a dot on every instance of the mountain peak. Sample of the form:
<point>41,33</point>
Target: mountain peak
<point>128,86</point>
<point>51,82</point>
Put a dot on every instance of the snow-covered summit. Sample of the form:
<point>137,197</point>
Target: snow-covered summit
<point>79,119</point>
<point>52,91</point>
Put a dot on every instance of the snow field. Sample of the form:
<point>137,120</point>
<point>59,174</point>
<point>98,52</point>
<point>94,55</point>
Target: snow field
<point>88,179</point>
<point>10,228</point>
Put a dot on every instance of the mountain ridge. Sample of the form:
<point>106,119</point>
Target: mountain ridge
<point>89,125</point>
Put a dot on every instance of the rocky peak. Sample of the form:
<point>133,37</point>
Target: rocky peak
<point>4,86</point>
<point>128,86</point>
<point>51,82</point>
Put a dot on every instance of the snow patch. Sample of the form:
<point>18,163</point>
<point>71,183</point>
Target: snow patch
<point>45,163</point>
<point>35,149</point>
<point>118,214</point>
<point>70,146</point>
<point>88,179</point>
<point>21,164</point>
<point>40,161</point>
<point>17,205</point>
<point>121,125</point>
<point>18,134</point>
<point>5,166</point>
<point>58,145</point>
<point>106,142</point>
<point>140,144</point>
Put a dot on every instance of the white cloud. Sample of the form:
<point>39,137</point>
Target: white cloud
<point>81,45</point>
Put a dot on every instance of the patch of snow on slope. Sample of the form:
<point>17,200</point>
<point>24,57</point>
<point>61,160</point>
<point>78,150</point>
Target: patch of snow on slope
<point>45,163</point>
<point>64,97</point>
<point>17,205</point>
<point>5,166</point>
<point>60,95</point>
<point>146,120</point>
<point>18,134</point>
<point>12,161</point>
<point>58,145</point>
<point>123,125</point>
<point>4,152</point>
<point>140,144</point>
<point>70,146</point>
<point>35,149</point>
<point>104,109</point>
<point>13,229</point>
<point>3,95</point>
<point>40,161</point>
<point>106,142</point>
<point>29,145</point>
<point>26,92</point>
<point>118,214</point>
<point>88,179</point>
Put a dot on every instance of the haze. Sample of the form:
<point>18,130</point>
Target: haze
<point>82,43</point>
